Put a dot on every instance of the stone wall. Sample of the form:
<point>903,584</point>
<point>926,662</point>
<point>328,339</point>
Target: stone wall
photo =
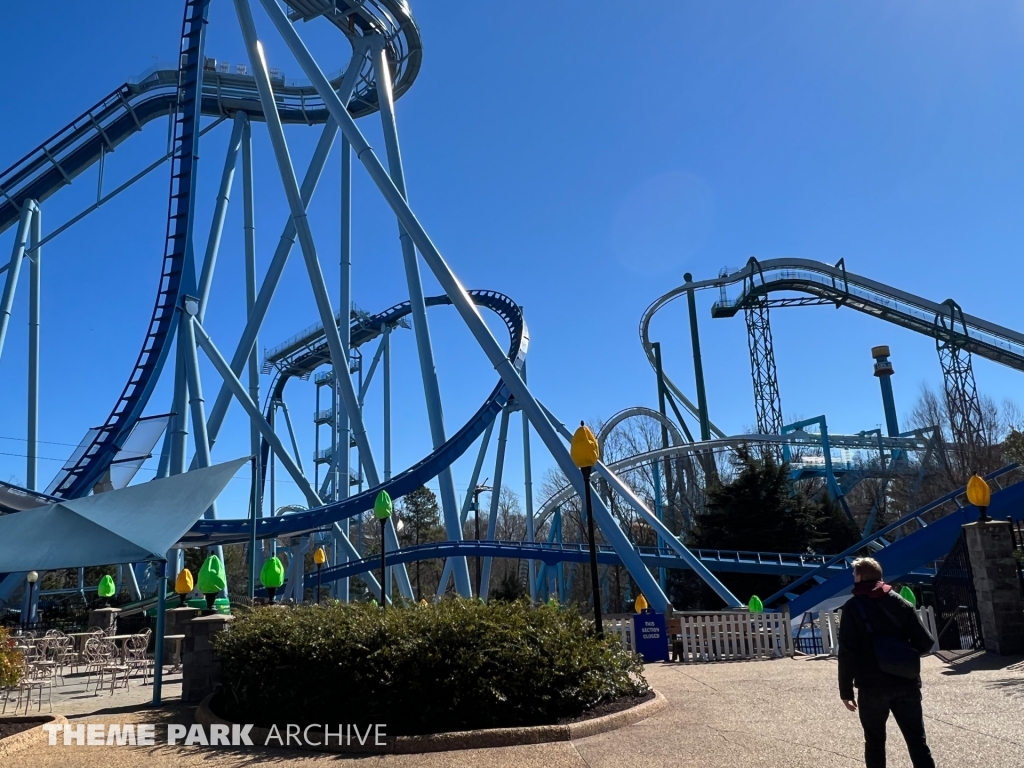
<point>104,618</point>
<point>201,670</point>
<point>990,548</point>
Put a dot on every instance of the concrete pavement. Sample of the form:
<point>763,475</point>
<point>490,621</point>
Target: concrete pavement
<point>779,714</point>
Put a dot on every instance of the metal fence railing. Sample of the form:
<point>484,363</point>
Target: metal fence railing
<point>1017,533</point>
<point>956,609</point>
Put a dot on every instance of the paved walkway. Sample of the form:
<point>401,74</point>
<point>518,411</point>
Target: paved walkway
<point>777,714</point>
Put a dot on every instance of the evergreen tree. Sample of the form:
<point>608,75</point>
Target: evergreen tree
<point>421,518</point>
<point>762,511</point>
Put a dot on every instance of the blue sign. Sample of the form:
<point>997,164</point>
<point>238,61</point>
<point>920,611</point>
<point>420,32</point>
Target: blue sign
<point>650,639</point>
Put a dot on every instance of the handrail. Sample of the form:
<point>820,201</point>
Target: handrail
<point>951,496</point>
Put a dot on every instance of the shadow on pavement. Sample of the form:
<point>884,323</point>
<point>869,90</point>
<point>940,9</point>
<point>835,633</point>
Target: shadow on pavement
<point>965,662</point>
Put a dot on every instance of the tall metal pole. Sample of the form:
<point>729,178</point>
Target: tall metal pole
<point>249,236</point>
<point>484,588</point>
<point>698,365</point>
<point>247,341</point>
<point>343,478</point>
<point>252,522</point>
<point>339,355</point>
<point>421,329</point>
<point>273,475</point>
<point>531,532</point>
<point>161,609</point>
<point>35,277</point>
<point>14,269</point>
<point>220,210</point>
<point>187,339</point>
<point>387,403</point>
<point>178,425</point>
<point>383,566</point>
<point>595,583</point>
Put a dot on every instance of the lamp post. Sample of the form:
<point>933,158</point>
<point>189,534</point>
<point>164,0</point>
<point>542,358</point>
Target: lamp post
<point>382,508</point>
<point>481,488</point>
<point>319,557</point>
<point>585,454</point>
<point>979,494</point>
<point>32,578</point>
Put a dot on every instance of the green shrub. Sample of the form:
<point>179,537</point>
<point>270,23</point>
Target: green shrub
<point>419,669</point>
<point>10,661</point>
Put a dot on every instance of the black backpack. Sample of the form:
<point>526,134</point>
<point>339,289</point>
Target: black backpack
<point>895,656</point>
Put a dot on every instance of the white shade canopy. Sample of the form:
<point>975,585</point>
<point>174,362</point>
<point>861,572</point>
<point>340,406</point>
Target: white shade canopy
<point>130,525</point>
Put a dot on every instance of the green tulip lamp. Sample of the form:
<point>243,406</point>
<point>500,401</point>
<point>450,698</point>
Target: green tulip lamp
<point>382,509</point>
<point>106,589</point>
<point>212,579</point>
<point>272,575</point>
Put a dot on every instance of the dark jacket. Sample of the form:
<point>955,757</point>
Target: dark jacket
<point>857,663</point>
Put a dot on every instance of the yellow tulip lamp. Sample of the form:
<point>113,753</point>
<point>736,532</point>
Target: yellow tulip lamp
<point>319,557</point>
<point>979,494</point>
<point>585,454</point>
<point>183,585</point>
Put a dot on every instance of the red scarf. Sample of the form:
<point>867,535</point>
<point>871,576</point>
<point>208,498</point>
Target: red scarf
<point>873,589</point>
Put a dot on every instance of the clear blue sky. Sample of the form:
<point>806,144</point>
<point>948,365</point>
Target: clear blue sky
<point>579,162</point>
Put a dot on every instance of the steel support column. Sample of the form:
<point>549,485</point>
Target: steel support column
<point>14,269</point>
<point>220,210</point>
<point>341,459</point>
<point>767,403</point>
<point>492,522</point>
<point>698,365</point>
<point>247,341</point>
<point>966,421</point>
<point>35,278</point>
<point>339,355</point>
<point>421,328</point>
<point>464,304</point>
<point>467,504</point>
<point>528,499</point>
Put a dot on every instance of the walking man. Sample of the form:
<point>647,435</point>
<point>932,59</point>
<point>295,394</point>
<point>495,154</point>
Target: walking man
<point>881,640</point>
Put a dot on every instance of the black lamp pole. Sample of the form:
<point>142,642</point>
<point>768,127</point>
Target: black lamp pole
<point>594,581</point>
<point>383,589</point>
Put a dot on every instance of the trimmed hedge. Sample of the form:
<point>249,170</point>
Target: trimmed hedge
<point>421,669</point>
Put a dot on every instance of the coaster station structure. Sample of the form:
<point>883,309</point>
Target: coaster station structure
<point>198,95</point>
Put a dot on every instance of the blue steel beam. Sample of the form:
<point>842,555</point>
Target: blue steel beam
<point>463,303</point>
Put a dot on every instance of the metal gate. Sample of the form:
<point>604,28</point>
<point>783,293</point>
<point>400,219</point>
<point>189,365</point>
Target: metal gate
<point>956,603</point>
<point>1017,534</point>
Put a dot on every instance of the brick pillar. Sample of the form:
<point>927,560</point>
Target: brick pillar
<point>104,618</point>
<point>201,670</point>
<point>990,548</point>
<point>175,622</point>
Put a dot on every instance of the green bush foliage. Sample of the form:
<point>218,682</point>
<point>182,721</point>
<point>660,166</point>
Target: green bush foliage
<point>10,661</point>
<point>452,666</point>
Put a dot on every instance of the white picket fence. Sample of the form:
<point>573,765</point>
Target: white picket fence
<point>697,636</point>
<point>828,622</point>
<point>729,636</point>
<point>621,626</point>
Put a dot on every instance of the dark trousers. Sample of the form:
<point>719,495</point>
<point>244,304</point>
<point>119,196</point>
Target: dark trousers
<point>874,707</point>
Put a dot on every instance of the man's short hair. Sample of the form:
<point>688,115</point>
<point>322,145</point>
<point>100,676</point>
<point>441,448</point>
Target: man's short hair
<point>867,568</point>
